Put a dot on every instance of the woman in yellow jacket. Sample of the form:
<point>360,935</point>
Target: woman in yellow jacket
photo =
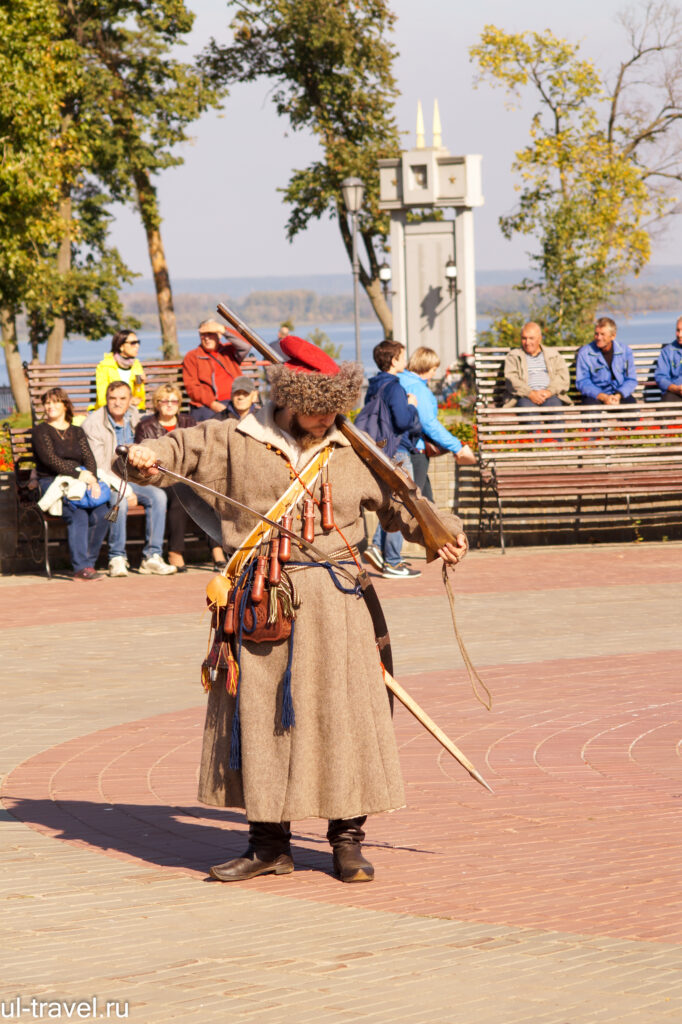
<point>121,364</point>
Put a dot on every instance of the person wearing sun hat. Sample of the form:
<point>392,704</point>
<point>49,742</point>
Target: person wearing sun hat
<point>334,755</point>
<point>209,369</point>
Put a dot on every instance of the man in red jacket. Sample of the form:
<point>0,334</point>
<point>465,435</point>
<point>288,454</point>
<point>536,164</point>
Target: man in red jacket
<point>209,369</point>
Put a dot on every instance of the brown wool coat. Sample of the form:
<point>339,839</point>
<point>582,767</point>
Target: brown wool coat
<point>340,760</point>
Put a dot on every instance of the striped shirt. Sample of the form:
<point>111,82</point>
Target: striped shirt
<point>538,377</point>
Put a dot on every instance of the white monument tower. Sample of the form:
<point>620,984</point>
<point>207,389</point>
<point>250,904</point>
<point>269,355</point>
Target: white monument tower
<point>433,260</point>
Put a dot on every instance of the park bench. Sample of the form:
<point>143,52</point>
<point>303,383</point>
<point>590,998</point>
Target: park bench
<point>489,369</point>
<point>629,458</point>
<point>78,380</point>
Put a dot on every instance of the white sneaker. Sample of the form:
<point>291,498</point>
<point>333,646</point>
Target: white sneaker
<point>155,566</point>
<point>374,557</point>
<point>118,566</point>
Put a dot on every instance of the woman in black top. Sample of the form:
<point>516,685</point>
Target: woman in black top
<point>62,449</point>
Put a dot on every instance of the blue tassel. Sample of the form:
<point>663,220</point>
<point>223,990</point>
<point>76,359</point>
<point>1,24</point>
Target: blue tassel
<point>235,762</point>
<point>288,718</point>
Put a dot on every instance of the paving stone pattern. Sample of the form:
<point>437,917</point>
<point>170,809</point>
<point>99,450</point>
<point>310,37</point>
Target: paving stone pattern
<point>554,900</point>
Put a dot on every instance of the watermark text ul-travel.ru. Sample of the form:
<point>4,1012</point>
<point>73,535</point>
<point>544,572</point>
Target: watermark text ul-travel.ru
<point>62,1009</point>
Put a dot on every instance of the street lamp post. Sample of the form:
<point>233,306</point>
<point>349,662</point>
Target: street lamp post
<point>353,192</point>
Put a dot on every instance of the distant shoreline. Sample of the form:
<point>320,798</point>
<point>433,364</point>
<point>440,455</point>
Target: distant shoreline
<point>310,308</point>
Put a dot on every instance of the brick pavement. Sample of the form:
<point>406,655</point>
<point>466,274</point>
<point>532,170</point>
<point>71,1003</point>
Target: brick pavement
<point>555,900</point>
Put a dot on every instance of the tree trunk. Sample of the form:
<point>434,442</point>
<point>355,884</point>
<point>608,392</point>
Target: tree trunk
<point>151,219</point>
<point>55,339</point>
<point>15,371</point>
<point>380,306</point>
<point>370,282</point>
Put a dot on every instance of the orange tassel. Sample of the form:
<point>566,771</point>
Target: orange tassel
<point>232,678</point>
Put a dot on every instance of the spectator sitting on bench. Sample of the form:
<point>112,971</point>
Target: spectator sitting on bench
<point>62,449</point>
<point>244,395</point>
<point>668,372</point>
<point>605,369</point>
<point>209,370</point>
<point>167,417</point>
<point>535,374</point>
<point>105,428</point>
<point>121,363</point>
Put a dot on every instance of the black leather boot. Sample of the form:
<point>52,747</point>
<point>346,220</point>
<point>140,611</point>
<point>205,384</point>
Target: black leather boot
<point>268,852</point>
<point>346,836</point>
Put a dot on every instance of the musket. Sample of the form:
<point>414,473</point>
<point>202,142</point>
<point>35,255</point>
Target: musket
<point>434,531</point>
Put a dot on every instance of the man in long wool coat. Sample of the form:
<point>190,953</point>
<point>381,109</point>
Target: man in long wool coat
<point>339,758</point>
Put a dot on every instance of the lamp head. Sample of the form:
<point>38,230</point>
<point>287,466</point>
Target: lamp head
<point>353,192</point>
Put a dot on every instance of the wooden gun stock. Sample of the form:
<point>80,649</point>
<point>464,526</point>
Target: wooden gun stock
<point>434,530</point>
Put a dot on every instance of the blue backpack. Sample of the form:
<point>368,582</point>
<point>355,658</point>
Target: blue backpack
<point>376,420</point>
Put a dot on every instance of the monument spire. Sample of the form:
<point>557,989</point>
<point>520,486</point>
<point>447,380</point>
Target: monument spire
<point>437,130</point>
<point>420,126</point>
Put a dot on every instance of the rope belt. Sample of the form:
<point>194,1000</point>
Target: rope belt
<point>337,555</point>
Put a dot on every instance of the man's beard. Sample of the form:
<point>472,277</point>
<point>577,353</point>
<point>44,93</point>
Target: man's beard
<point>301,436</point>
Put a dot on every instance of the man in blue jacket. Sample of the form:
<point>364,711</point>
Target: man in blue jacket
<point>384,553</point>
<point>605,369</point>
<point>668,372</point>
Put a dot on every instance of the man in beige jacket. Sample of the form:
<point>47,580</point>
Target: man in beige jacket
<point>534,374</point>
<point>336,757</point>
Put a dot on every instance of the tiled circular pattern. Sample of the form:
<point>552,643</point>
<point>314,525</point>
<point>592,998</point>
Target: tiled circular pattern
<point>582,833</point>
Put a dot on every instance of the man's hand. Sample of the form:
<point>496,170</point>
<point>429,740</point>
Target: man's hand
<point>454,553</point>
<point>608,399</point>
<point>217,406</point>
<point>95,489</point>
<point>676,389</point>
<point>143,459</point>
<point>539,397</point>
<point>132,499</point>
<point>412,400</point>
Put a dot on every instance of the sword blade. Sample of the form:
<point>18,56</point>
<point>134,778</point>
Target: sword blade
<point>430,726</point>
<point>205,517</point>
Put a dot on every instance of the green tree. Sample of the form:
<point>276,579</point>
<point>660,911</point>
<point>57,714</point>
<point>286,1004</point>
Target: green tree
<point>40,153</point>
<point>331,65</point>
<point>136,104</point>
<point>57,265</point>
<point>597,171</point>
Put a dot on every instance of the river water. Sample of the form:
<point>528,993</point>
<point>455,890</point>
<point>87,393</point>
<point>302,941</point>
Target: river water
<point>658,327</point>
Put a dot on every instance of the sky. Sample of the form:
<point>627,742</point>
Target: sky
<point>223,215</point>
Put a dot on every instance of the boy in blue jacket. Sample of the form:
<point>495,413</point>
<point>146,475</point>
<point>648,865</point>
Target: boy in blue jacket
<point>384,553</point>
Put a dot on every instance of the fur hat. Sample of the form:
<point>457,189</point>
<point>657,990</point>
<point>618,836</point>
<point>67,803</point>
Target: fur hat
<point>311,383</point>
